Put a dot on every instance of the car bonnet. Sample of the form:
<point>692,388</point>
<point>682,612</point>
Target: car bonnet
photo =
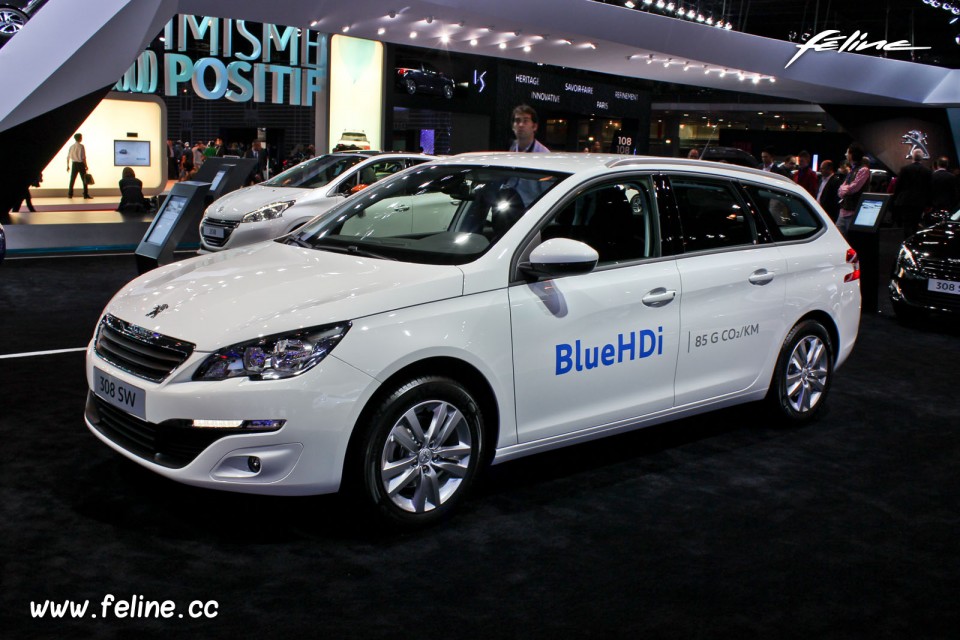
<point>224,298</point>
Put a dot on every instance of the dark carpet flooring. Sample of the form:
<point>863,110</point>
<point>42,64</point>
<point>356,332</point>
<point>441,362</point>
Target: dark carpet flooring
<point>721,526</point>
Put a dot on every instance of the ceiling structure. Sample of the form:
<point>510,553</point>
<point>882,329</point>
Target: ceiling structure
<point>96,42</point>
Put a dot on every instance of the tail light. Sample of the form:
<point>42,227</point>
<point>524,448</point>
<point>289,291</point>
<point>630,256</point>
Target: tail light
<point>853,261</point>
<point>401,71</point>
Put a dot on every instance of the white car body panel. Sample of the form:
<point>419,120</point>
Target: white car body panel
<point>515,335</point>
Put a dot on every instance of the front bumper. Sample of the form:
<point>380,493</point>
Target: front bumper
<point>304,457</point>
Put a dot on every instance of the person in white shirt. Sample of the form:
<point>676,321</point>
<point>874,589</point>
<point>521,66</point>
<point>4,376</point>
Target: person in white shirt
<point>77,165</point>
<point>525,128</point>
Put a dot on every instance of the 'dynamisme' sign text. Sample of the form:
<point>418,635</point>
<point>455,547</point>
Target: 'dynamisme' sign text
<point>244,63</point>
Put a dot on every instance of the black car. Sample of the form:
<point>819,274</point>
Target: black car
<point>14,14</point>
<point>926,275</point>
<point>731,155</point>
<point>3,244</point>
<point>415,76</point>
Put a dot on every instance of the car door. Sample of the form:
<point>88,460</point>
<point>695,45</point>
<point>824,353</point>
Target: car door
<point>601,347</point>
<point>734,284</point>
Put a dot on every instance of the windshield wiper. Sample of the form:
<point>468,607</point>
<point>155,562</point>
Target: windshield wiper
<point>350,249</point>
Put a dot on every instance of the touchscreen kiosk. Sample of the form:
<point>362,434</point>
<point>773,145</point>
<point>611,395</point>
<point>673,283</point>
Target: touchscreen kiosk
<point>181,209</point>
<point>869,212</point>
<point>225,174</point>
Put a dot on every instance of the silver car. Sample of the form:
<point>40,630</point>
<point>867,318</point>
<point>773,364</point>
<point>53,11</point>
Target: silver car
<point>260,212</point>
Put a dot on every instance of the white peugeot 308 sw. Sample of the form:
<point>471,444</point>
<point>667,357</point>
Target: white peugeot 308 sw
<point>471,310</point>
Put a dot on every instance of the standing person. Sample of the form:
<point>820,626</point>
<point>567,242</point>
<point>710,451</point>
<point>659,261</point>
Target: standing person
<point>525,129</point>
<point>198,154</point>
<point>256,175</point>
<point>855,182</point>
<point>77,165</point>
<point>827,194</point>
<point>172,164</point>
<point>805,176</point>
<point>944,187</point>
<point>912,193</point>
<point>769,164</point>
<point>693,154</point>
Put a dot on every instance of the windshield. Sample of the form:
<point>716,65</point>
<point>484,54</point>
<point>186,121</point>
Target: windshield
<point>437,214</point>
<point>956,216</point>
<point>314,172</point>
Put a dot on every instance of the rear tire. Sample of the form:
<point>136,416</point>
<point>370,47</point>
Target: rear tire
<point>803,374</point>
<point>411,85</point>
<point>420,452</point>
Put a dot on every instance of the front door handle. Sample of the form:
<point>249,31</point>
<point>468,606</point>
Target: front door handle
<point>400,208</point>
<point>659,297</point>
<point>761,277</point>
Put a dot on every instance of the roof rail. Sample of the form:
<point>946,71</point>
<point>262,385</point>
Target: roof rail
<point>687,162</point>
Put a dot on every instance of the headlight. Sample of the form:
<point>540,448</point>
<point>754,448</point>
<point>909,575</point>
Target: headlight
<point>268,211</point>
<point>905,258</point>
<point>273,357</point>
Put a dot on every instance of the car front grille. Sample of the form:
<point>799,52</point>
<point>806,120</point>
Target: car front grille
<point>226,225</point>
<point>139,351</point>
<point>173,443</point>
<point>941,268</point>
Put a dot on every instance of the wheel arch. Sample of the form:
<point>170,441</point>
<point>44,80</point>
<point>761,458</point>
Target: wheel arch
<point>453,368</point>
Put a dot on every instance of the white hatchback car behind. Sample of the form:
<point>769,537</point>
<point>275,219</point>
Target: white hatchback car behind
<point>262,211</point>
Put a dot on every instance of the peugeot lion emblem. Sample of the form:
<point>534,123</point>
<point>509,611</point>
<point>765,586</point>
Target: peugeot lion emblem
<point>157,310</point>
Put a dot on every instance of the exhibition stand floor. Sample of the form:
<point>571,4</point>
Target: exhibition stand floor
<point>718,526</point>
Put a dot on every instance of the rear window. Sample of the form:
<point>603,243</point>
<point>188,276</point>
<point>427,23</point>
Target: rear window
<point>788,215</point>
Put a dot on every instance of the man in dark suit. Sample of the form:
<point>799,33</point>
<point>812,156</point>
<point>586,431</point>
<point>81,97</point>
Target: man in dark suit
<point>827,189</point>
<point>944,187</point>
<point>912,193</point>
<point>256,151</point>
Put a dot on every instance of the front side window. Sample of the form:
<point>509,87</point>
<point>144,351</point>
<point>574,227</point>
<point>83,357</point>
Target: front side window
<point>313,173</point>
<point>787,214</point>
<point>711,215</point>
<point>437,214</point>
<point>619,220</point>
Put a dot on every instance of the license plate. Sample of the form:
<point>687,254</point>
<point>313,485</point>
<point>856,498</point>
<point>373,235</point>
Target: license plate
<point>213,232</point>
<point>120,394</point>
<point>944,286</point>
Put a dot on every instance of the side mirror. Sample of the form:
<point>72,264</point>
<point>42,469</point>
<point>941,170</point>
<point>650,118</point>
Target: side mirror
<point>560,257</point>
<point>356,188</point>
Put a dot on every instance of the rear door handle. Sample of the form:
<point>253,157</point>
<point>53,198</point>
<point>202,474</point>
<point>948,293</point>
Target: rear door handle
<point>761,277</point>
<point>659,297</point>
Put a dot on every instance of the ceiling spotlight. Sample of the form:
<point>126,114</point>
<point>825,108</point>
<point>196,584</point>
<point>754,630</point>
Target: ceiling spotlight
<point>503,45</point>
<point>728,26</point>
<point>700,18</point>
<point>691,14</point>
<point>667,62</point>
<point>650,59</point>
<point>629,5</point>
<point>526,49</point>
<point>392,14</point>
<point>647,1</point>
<point>314,23</point>
<point>756,79</point>
<point>445,39</point>
<point>671,6</point>
<point>517,32</point>
<point>345,29</point>
<point>710,20</point>
<point>661,4</point>
<point>429,19</point>
<point>381,31</point>
<point>473,42</point>
<point>413,35</point>
<point>772,79</point>
<point>591,45</point>
<point>680,11</point>
<point>565,41</point>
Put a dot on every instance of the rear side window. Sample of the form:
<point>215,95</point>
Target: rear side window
<point>711,214</point>
<point>786,214</point>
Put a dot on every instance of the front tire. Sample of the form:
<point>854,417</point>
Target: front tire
<point>803,373</point>
<point>421,451</point>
